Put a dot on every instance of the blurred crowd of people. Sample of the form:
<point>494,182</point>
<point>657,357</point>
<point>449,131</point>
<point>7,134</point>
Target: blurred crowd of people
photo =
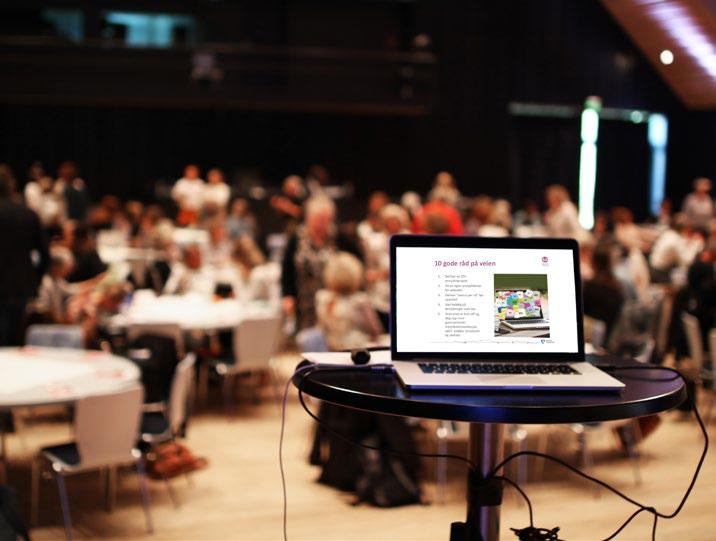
<point>318,270</point>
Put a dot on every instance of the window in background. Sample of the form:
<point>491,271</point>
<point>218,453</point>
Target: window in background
<point>68,23</point>
<point>150,29</point>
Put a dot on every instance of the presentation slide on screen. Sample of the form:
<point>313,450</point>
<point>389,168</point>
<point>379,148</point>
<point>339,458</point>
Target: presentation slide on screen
<point>476,300</point>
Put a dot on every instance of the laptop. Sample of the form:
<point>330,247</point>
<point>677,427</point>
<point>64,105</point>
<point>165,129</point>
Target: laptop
<point>489,313</point>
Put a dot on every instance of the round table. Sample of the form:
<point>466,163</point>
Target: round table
<point>190,312</point>
<point>38,376</point>
<point>647,392</point>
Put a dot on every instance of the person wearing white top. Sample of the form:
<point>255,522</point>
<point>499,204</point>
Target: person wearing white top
<point>188,192</point>
<point>254,279</point>
<point>190,276</point>
<point>676,247</point>
<point>562,217</point>
<point>698,205</point>
<point>216,192</point>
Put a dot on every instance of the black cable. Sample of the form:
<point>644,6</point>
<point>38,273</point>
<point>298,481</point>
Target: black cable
<point>642,507</point>
<point>530,533</point>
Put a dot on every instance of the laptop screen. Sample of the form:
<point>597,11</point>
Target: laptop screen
<point>486,300</point>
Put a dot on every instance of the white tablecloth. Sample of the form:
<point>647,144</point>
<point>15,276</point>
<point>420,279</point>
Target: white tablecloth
<point>39,376</point>
<point>190,312</point>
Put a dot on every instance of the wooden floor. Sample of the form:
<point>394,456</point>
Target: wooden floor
<point>239,495</point>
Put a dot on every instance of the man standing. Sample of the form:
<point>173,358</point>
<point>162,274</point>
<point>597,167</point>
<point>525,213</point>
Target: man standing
<point>24,256</point>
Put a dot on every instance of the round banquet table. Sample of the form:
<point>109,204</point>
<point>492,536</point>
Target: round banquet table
<point>191,312</point>
<point>647,392</point>
<point>38,376</point>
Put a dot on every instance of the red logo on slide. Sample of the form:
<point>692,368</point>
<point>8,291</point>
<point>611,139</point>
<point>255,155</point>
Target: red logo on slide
<point>545,260</point>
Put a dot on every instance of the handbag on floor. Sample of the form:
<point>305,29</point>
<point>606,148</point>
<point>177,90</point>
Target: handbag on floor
<point>171,459</point>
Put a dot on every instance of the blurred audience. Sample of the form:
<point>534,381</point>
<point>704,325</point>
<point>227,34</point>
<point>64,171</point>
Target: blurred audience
<point>562,217</point>
<point>190,275</point>
<point>344,312</point>
<point>216,193</point>
<point>698,205</point>
<point>305,258</point>
<point>188,192</point>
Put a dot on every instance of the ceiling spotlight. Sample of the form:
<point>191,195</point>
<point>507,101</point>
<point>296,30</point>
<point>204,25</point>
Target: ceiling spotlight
<point>666,57</point>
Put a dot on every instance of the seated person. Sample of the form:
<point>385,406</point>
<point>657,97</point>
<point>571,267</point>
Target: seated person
<point>54,291</point>
<point>344,312</point>
<point>603,294</point>
<point>218,252</point>
<point>79,239</point>
<point>190,275</point>
<point>93,309</point>
<point>254,279</point>
<point>675,247</point>
<point>241,221</point>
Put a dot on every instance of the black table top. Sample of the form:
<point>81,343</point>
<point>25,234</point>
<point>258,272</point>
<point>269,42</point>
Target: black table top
<point>646,392</point>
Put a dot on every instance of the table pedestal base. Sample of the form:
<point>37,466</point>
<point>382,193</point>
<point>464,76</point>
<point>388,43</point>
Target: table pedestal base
<point>483,499</point>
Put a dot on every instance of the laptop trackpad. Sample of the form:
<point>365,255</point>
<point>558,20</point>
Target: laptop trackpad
<point>511,380</point>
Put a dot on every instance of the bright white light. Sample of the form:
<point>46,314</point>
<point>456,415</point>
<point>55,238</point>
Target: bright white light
<point>588,167</point>
<point>590,126</point>
<point>587,184</point>
<point>658,132</point>
<point>666,57</point>
<point>689,34</point>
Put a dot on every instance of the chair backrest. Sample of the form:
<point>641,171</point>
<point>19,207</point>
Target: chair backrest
<point>57,336</point>
<point>595,331</point>
<point>693,338</point>
<point>169,330</point>
<point>311,339</point>
<point>107,426</point>
<point>647,350</point>
<point>256,341</point>
<point>180,390</point>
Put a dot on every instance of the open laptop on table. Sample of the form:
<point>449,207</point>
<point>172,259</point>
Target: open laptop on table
<point>489,313</point>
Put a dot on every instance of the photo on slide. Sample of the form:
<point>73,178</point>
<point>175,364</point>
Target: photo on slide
<point>521,306</point>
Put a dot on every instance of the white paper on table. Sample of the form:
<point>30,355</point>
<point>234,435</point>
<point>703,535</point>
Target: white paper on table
<point>344,357</point>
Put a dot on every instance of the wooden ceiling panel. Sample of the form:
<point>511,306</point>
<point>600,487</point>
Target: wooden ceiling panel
<point>687,28</point>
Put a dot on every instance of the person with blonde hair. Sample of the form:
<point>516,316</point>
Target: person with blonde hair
<point>344,311</point>
<point>254,279</point>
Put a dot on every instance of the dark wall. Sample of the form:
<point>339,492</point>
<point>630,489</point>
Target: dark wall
<point>489,54</point>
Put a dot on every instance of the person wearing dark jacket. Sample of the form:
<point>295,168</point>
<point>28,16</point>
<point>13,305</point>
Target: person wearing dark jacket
<point>23,257</point>
<point>305,257</point>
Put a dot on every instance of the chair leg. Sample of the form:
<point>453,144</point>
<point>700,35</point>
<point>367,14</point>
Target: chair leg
<point>276,385</point>
<point>35,492</point>
<point>111,488</point>
<point>586,456</point>
<point>144,491</point>
<point>226,391</point>
<point>64,504</point>
<point>203,384</point>
<point>630,442</point>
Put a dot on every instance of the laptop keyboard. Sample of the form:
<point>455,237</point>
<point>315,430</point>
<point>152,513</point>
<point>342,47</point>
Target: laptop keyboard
<point>498,368</point>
